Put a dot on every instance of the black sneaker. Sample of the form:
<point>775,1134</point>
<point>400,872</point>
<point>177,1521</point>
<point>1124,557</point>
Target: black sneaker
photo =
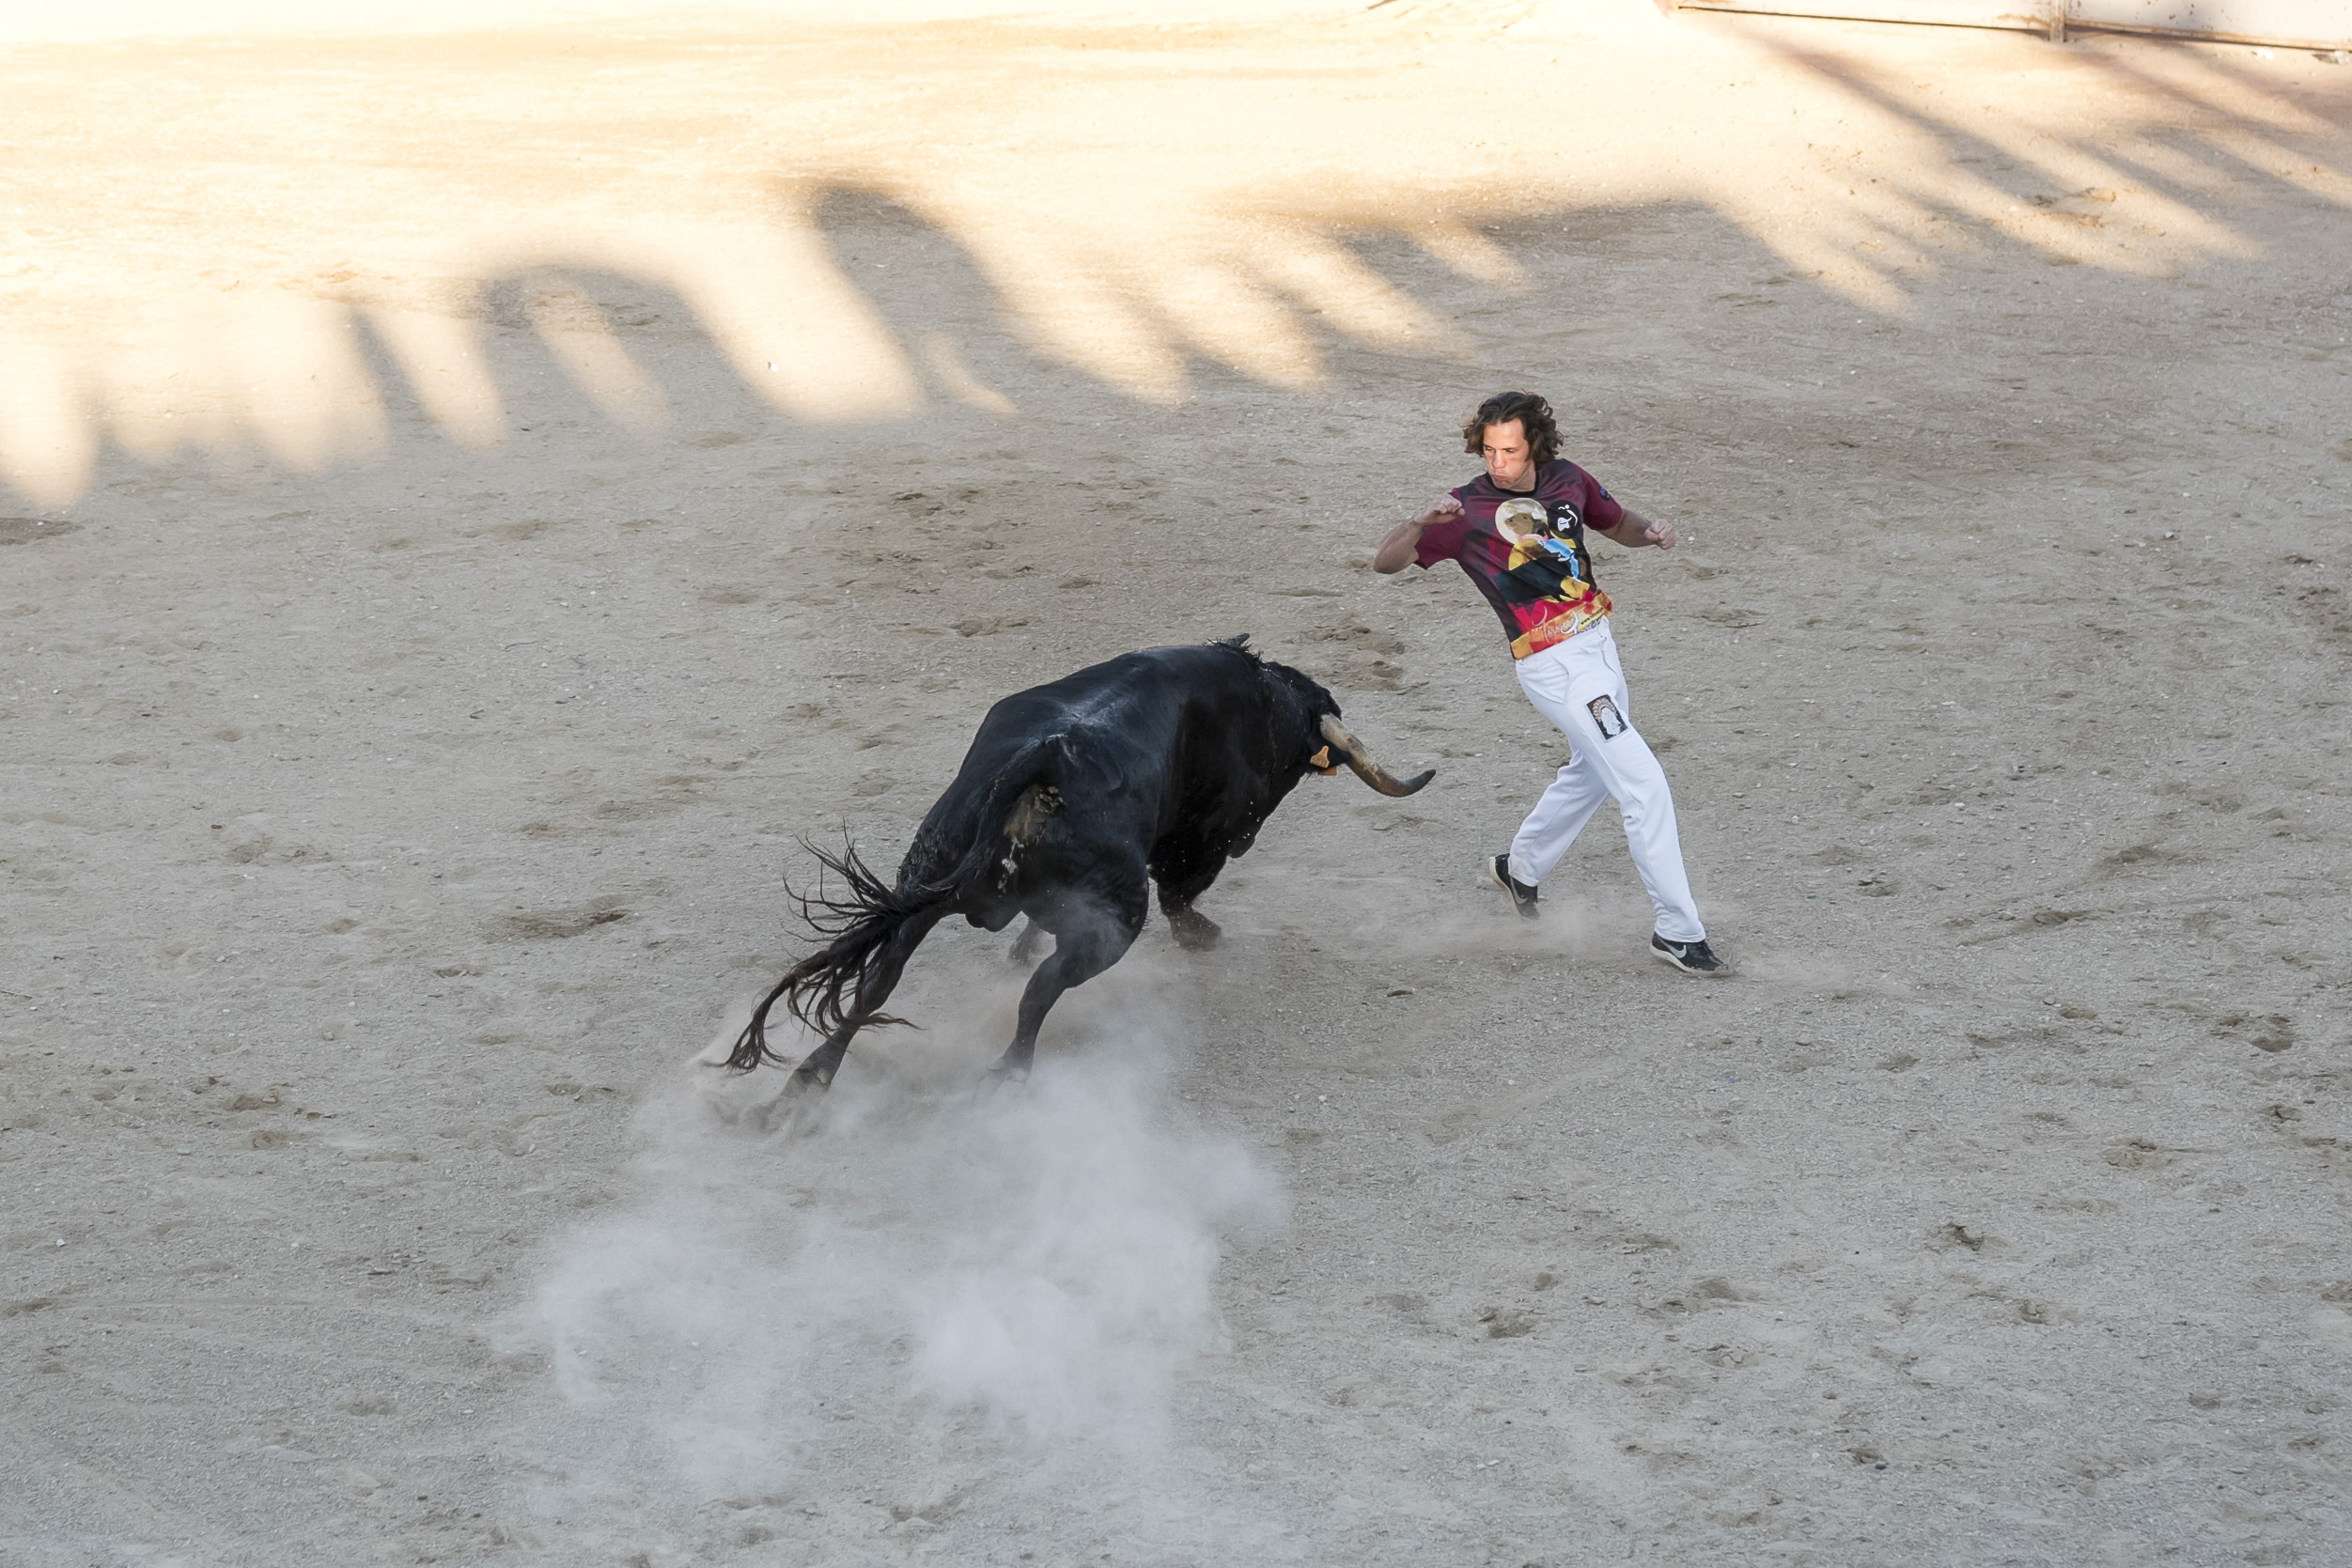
<point>1690,957</point>
<point>1523,895</point>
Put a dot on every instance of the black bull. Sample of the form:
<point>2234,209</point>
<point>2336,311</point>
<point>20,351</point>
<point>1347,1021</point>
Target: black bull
<point>1156,766</point>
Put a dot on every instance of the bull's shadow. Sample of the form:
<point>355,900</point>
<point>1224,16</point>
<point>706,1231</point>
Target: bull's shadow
<point>1075,800</point>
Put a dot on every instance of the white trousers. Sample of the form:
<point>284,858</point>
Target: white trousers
<point>1580,687</point>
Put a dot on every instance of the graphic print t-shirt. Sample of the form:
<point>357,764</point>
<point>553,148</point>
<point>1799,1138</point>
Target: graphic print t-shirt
<point>1526,552</point>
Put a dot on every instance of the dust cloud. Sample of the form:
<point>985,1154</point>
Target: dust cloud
<point>918,1278</point>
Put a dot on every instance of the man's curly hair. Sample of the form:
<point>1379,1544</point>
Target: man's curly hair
<point>1534,417</point>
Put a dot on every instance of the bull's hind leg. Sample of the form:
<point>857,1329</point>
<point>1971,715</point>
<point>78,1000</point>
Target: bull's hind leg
<point>817,1068</point>
<point>1025,945</point>
<point>1079,956</point>
<point>874,988</point>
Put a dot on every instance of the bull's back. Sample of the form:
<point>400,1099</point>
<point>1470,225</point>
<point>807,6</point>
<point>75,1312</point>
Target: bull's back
<point>1130,708</point>
<point>1111,739</point>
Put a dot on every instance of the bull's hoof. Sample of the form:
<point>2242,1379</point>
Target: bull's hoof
<point>1005,1074</point>
<point>789,1114</point>
<point>807,1080</point>
<point>1194,932</point>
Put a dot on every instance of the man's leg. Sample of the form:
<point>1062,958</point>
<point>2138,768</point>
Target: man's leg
<point>1575,793</point>
<point>1583,691</point>
<point>1560,814</point>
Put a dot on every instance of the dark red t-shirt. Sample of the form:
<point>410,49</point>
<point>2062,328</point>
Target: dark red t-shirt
<point>1525,551</point>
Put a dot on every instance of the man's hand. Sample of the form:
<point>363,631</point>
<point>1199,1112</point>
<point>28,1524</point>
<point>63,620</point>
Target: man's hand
<point>1633,531</point>
<point>1402,544</point>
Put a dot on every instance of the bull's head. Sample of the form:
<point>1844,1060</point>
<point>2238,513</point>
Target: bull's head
<point>1337,748</point>
<point>1340,747</point>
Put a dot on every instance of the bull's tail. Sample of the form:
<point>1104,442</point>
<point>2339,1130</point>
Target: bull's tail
<point>827,989</point>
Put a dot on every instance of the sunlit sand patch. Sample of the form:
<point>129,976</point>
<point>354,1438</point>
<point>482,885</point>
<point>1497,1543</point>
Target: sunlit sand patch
<point>48,436</point>
<point>441,355</point>
<point>946,361</point>
<point>583,341</point>
<point>1144,205</point>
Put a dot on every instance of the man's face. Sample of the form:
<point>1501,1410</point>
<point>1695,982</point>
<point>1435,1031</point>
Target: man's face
<point>1509,463</point>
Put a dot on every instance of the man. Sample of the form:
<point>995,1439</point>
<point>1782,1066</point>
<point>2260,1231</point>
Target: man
<point>1520,533</point>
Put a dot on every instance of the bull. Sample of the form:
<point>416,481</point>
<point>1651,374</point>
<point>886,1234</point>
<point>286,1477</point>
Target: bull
<point>1075,798</point>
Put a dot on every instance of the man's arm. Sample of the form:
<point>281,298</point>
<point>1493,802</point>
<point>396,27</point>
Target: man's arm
<point>1633,531</point>
<point>1401,546</point>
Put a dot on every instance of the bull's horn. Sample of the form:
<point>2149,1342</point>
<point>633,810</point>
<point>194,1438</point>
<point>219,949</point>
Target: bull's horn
<point>1351,751</point>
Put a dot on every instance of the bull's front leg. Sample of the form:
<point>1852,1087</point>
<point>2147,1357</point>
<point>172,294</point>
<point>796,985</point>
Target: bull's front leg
<point>1193,931</point>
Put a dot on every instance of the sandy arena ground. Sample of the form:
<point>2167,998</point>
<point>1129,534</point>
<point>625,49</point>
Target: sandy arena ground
<point>478,500</point>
